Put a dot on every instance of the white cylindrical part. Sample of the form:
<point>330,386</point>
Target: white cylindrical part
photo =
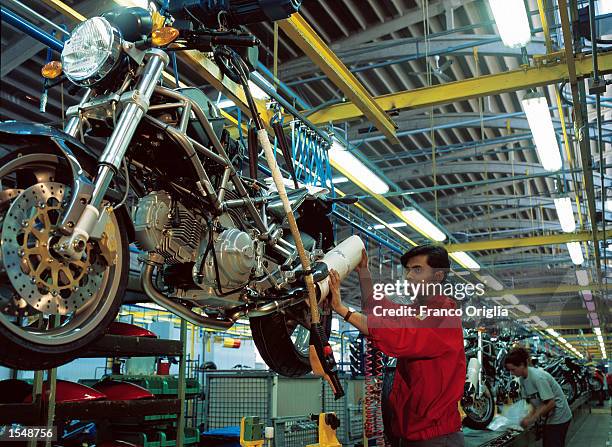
<point>343,259</point>
<point>472,371</point>
<point>269,432</point>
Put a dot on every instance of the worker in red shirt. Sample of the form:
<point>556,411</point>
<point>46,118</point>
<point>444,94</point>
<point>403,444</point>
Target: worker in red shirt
<point>430,374</point>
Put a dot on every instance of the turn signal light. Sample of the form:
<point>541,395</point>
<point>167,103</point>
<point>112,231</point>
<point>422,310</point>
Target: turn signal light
<point>164,36</point>
<point>51,70</point>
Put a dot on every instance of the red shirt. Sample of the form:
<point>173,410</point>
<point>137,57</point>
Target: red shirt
<point>430,374</point>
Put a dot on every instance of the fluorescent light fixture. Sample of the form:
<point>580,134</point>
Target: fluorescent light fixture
<point>583,277</point>
<point>465,260</point>
<point>595,321</point>
<point>491,282</point>
<point>339,155</point>
<point>257,92</point>
<point>608,205</point>
<point>587,295</point>
<point>575,251</point>
<point>590,305</point>
<point>424,225</point>
<point>600,339</point>
<point>552,332</point>
<point>523,308</point>
<point>226,104</point>
<point>340,179</point>
<point>511,299</point>
<point>541,125</point>
<point>512,22</point>
<point>392,225</point>
<point>603,7</point>
<point>593,316</point>
<point>597,331</point>
<point>562,340</point>
<point>565,213</point>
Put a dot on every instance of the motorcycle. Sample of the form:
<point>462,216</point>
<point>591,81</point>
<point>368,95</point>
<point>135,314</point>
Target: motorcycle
<point>478,401</point>
<point>566,371</point>
<point>508,386</point>
<point>146,164</point>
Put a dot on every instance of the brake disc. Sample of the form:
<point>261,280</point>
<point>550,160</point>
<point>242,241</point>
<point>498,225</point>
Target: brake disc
<point>42,278</point>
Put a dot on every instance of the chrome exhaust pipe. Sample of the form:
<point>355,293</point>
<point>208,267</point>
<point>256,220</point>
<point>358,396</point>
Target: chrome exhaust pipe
<point>146,281</point>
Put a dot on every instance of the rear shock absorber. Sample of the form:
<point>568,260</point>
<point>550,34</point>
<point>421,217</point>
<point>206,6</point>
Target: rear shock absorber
<point>374,372</point>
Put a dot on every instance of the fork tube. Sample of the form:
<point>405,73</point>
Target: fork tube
<point>137,105</point>
<point>479,355</point>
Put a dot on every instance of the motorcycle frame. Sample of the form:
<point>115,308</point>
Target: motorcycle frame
<point>135,108</point>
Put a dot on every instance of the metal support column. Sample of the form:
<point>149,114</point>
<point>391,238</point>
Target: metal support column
<point>180,433</point>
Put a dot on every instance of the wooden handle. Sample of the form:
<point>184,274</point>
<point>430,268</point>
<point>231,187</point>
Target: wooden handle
<point>277,176</point>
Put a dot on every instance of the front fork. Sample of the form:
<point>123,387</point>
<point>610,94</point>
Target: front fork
<point>479,356</point>
<point>136,106</point>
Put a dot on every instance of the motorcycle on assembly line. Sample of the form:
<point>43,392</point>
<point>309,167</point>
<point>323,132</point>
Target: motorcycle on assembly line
<point>566,371</point>
<point>508,386</point>
<point>478,401</point>
<point>143,163</point>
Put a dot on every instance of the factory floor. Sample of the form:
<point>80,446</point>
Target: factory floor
<point>595,430</point>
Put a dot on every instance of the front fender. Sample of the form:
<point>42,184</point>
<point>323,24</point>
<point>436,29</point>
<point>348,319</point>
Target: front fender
<point>15,135</point>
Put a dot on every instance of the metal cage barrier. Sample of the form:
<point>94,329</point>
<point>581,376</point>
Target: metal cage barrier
<point>230,396</point>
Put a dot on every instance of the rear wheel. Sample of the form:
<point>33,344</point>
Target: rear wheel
<point>50,308</point>
<point>282,339</point>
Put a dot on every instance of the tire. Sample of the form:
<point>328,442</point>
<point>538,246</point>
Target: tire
<point>26,351</point>
<point>272,336</point>
<point>479,420</point>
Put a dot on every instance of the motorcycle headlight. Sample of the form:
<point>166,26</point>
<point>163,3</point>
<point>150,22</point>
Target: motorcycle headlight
<point>91,52</point>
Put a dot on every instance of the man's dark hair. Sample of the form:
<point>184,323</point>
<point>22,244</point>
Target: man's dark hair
<point>437,256</point>
<point>518,356</point>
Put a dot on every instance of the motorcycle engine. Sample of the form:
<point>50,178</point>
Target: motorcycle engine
<point>229,263</point>
<point>166,227</point>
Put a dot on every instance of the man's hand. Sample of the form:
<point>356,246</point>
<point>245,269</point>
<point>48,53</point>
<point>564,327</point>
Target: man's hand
<point>363,263</point>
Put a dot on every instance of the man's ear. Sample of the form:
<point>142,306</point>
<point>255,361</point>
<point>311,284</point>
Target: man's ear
<point>439,275</point>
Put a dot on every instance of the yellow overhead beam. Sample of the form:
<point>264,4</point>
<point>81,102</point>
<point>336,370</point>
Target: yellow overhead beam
<point>515,242</point>
<point>63,8</point>
<point>476,87</point>
<point>302,34</point>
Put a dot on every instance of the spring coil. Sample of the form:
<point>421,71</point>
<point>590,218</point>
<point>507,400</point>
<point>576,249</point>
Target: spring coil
<point>374,373</point>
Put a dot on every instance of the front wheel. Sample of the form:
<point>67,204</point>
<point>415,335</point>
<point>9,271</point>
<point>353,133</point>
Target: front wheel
<point>480,413</point>
<point>282,339</point>
<point>51,309</point>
